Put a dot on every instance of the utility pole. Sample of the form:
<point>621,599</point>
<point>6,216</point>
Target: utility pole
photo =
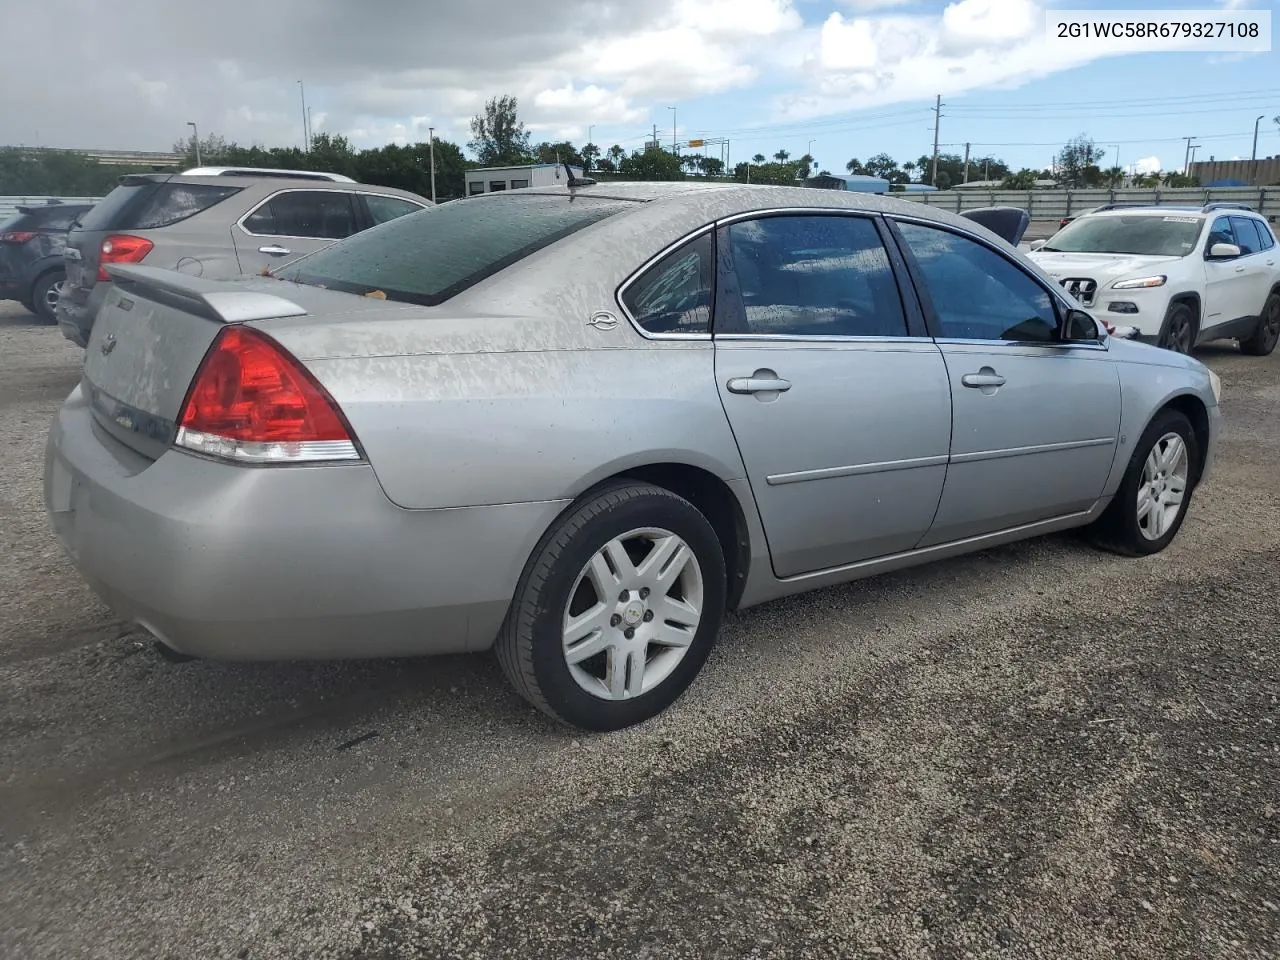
<point>195,138</point>
<point>1186,163</point>
<point>966,163</point>
<point>310,127</point>
<point>431,147</point>
<point>655,134</point>
<point>1253,157</point>
<point>673,129</point>
<point>937,123</point>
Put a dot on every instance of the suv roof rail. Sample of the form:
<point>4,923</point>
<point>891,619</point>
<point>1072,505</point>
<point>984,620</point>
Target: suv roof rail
<point>1122,204</point>
<point>1225,205</point>
<point>265,172</point>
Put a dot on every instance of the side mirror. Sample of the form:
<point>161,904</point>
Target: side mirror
<point>1081,326</point>
<point>1223,251</point>
<point>1037,244</point>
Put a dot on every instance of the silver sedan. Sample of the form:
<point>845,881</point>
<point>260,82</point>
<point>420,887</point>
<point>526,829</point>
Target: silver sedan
<point>578,424</point>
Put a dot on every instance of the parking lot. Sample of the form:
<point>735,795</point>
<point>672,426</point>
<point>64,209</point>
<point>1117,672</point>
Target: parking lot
<point>1037,751</point>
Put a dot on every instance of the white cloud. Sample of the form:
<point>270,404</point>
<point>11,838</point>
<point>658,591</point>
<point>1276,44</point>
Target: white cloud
<point>1148,165</point>
<point>982,24</point>
<point>867,6</point>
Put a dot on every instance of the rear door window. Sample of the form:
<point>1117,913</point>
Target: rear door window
<point>322,214</point>
<point>429,258</point>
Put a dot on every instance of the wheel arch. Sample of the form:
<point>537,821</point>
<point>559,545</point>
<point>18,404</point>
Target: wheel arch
<point>1194,409</point>
<point>711,495</point>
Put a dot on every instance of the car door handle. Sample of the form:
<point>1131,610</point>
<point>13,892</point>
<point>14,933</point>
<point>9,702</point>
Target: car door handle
<point>1239,269</point>
<point>275,250</point>
<point>758,385</point>
<point>982,380</point>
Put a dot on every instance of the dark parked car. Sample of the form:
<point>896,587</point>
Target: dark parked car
<point>32,268</point>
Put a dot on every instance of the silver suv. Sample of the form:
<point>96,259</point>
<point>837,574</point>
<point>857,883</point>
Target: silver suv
<point>218,222</point>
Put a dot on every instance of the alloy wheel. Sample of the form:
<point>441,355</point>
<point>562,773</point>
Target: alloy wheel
<point>1163,486</point>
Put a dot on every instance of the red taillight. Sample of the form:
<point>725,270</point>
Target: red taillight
<point>252,402</point>
<point>17,236</point>
<point>121,248</point>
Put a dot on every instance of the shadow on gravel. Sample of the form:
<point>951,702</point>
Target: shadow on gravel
<point>1087,786</point>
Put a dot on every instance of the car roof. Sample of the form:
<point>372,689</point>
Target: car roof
<point>270,184</point>
<point>278,172</point>
<point>1200,211</point>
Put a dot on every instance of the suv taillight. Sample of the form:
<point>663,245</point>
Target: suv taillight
<point>121,248</point>
<point>251,402</point>
<point>17,236</point>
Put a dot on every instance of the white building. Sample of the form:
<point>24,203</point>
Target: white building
<point>493,179</point>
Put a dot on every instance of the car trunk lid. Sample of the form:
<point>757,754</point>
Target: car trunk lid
<point>154,328</point>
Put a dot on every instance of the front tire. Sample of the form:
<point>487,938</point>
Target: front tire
<point>1148,509</point>
<point>44,295</point>
<point>1179,330</point>
<point>617,610</point>
<point>1264,339</point>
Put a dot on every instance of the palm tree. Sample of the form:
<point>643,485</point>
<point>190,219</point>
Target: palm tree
<point>781,156</point>
<point>616,153</point>
<point>1113,176</point>
<point>758,159</point>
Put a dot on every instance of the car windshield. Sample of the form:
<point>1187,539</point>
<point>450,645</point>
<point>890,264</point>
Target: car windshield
<point>430,256</point>
<point>1165,235</point>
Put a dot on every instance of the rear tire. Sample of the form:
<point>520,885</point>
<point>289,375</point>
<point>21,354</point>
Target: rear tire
<point>1264,339</point>
<point>1178,333</point>
<point>1140,520</point>
<point>44,295</point>
<point>596,636</point>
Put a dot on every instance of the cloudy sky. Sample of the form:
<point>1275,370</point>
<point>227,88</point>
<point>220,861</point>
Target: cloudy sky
<point>850,77</point>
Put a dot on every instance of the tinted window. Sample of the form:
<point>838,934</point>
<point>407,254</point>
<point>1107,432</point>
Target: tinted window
<point>150,205</point>
<point>325,214</point>
<point>1150,235</point>
<point>437,254</point>
<point>976,293</point>
<point>674,295</point>
<point>1220,232</point>
<point>519,184</point>
<point>1264,233</point>
<point>1246,235</point>
<point>60,217</point>
<point>815,276</point>
<point>383,209</point>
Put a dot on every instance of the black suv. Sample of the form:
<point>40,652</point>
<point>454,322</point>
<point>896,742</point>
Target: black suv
<point>32,268</point>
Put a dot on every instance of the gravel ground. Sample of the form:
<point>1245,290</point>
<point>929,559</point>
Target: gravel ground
<point>1038,751</point>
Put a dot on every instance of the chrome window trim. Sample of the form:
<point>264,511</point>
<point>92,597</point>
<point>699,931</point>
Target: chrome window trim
<point>349,194</point>
<point>904,340</point>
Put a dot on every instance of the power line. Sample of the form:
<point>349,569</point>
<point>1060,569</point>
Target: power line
<point>1224,97</point>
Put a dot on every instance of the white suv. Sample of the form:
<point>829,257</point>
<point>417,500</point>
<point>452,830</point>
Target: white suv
<point>1180,276</point>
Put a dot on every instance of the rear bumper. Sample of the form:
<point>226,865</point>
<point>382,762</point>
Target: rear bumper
<point>76,309</point>
<point>241,563</point>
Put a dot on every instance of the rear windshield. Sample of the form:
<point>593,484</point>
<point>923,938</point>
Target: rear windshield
<point>143,206</point>
<point>430,256</point>
<point>1147,235</point>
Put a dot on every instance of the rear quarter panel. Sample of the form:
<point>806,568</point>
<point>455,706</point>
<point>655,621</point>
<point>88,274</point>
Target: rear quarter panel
<point>507,394</point>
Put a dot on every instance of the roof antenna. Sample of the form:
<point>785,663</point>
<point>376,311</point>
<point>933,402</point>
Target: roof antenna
<point>576,181</point>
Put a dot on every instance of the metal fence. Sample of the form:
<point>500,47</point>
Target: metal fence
<point>9,205</point>
<point>1054,204</point>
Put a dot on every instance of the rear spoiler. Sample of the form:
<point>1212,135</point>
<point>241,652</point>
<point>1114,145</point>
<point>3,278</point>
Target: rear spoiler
<point>1007,223</point>
<point>210,299</point>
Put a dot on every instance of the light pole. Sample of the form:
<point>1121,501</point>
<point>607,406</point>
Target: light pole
<point>306,134</point>
<point>195,136</point>
<point>590,143</point>
<point>431,146</point>
<point>1253,157</point>
<point>673,128</point>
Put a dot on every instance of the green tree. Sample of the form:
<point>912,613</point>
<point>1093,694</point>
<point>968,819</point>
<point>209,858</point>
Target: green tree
<point>781,174</point>
<point>806,165</point>
<point>590,157</point>
<point>498,137</point>
<point>758,159</point>
<point>713,166</point>
<point>781,156</point>
<point>560,152</point>
<point>855,167</point>
<point>616,153</point>
<point>1078,163</point>
<point>652,164</point>
<point>1024,179</point>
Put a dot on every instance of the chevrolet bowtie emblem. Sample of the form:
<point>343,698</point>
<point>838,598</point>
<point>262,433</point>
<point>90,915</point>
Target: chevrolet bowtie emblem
<point>108,343</point>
